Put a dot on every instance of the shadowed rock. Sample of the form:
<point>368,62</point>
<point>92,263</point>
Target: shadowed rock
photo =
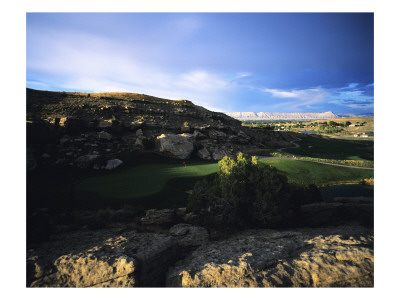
<point>341,256</point>
<point>103,258</point>
<point>189,236</point>
<point>175,145</point>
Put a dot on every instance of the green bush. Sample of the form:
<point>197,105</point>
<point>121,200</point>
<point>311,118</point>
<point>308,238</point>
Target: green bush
<point>245,193</point>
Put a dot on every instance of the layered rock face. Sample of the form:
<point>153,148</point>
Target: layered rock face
<point>104,258</point>
<point>340,256</point>
<point>329,257</point>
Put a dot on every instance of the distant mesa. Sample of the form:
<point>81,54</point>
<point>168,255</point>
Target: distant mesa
<point>244,116</point>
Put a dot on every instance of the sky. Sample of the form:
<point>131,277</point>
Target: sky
<point>228,62</point>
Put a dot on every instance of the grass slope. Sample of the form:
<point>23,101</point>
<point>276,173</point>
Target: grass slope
<point>324,147</point>
<point>162,185</point>
<point>305,173</point>
<point>142,180</point>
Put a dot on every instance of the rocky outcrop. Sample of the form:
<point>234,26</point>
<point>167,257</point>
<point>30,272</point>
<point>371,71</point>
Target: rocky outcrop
<point>104,258</point>
<point>86,161</point>
<point>220,152</point>
<point>69,125</point>
<point>189,236</point>
<point>113,163</point>
<point>338,256</point>
<point>342,210</point>
<point>204,154</point>
<point>104,135</point>
<point>159,217</point>
<point>175,145</point>
<point>341,256</point>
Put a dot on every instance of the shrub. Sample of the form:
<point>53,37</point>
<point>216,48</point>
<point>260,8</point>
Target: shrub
<point>245,193</point>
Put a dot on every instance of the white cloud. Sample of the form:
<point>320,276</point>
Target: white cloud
<point>311,98</point>
<point>102,65</point>
<point>303,98</point>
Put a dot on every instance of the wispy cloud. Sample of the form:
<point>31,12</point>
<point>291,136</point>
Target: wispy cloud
<point>99,65</point>
<point>349,96</point>
<point>302,99</point>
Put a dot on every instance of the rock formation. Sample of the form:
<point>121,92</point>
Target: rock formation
<point>104,258</point>
<point>327,257</point>
<point>72,125</point>
<point>175,145</point>
<point>338,256</point>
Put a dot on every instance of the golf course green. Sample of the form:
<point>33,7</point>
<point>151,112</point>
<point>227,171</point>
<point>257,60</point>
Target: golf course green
<point>165,184</point>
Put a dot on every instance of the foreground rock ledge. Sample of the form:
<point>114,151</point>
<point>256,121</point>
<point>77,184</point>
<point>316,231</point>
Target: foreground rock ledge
<point>319,257</point>
<point>102,258</point>
<point>310,257</point>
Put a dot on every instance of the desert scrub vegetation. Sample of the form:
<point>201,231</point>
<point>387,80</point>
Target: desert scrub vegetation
<point>245,193</point>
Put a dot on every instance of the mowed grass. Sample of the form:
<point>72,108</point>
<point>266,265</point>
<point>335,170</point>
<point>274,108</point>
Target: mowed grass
<point>324,147</point>
<point>143,186</point>
<point>162,185</point>
<point>305,173</point>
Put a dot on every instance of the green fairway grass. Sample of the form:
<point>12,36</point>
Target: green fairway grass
<point>142,180</point>
<point>324,147</point>
<point>149,185</point>
<point>165,184</point>
<point>305,173</point>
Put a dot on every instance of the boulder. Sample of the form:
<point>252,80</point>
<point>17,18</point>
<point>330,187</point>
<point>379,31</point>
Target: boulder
<point>86,161</point>
<point>159,217</point>
<point>185,129</point>
<point>61,121</point>
<point>203,154</point>
<point>113,163</point>
<point>104,135</point>
<point>189,236</point>
<point>325,257</point>
<point>139,132</point>
<point>220,153</point>
<point>65,139</point>
<point>103,258</point>
<point>105,123</point>
<point>216,134</point>
<point>198,135</point>
<point>139,141</point>
<point>175,145</point>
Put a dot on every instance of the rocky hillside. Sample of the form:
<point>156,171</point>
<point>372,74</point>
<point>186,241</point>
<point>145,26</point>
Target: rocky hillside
<point>89,130</point>
<point>244,116</point>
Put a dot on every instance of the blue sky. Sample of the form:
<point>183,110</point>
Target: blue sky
<point>276,62</point>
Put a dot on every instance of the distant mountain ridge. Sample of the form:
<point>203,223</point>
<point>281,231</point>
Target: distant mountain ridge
<point>243,116</point>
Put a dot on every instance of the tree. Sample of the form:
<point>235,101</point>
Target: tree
<point>244,193</point>
<point>332,123</point>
